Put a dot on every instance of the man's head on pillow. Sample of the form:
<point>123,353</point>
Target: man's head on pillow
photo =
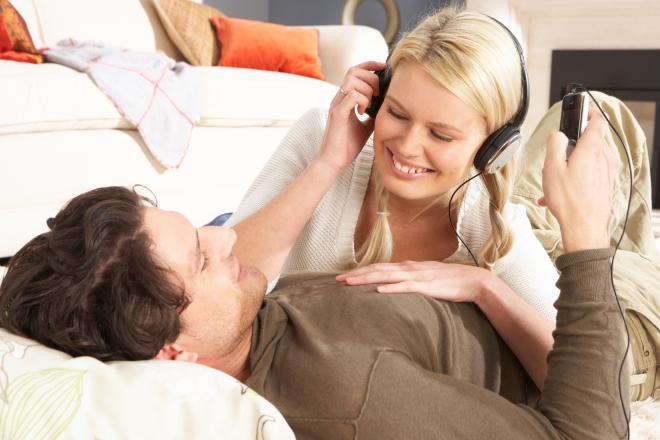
<point>118,279</point>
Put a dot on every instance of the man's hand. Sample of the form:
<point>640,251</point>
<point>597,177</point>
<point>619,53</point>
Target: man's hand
<point>578,191</point>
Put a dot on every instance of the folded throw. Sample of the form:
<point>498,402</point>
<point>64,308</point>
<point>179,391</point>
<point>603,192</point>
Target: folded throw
<point>155,93</point>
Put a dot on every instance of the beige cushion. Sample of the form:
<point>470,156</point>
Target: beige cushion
<point>29,13</point>
<point>132,24</point>
<point>232,98</point>
<point>235,97</point>
<point>188,25</point>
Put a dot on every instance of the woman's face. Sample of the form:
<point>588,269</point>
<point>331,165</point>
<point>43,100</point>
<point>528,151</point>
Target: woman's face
<point>425,138</point>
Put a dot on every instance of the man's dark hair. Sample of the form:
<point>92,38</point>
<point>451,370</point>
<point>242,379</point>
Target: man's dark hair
<point>91,285</point>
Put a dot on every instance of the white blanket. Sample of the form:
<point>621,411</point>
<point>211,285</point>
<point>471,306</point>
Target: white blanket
<point>156,94</point>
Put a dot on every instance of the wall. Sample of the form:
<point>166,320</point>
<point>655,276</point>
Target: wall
<point>370,12</point>
<point>252,9</point>
<point>567,24</point>
<point>301,12</point>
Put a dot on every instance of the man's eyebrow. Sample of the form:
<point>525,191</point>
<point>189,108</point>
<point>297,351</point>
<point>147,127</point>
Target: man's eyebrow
<point>436,124</point>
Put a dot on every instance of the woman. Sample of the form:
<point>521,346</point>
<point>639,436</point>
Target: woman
<point>330,202</point>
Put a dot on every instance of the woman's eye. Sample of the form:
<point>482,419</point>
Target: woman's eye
<point>395,114</point>
<point>440,136</point>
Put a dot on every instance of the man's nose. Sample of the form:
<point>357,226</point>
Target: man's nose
<point>228,239</point>
<point>222,238</point>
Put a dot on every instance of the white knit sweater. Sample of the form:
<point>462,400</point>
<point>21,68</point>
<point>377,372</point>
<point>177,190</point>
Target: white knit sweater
<point>326,242</point>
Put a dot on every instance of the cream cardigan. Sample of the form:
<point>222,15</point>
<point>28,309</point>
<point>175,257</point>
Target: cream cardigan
<point>326,242</point>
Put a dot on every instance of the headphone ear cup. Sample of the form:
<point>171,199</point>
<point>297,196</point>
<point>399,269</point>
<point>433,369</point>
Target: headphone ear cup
<point>497,149</point>
<point>384,78</point>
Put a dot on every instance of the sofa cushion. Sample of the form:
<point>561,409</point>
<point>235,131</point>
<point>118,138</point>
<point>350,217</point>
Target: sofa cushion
<point>189,26</point>
<point>268,46</point>
<point>15,41</point>
<point>235,97</point>
<point>29,13</point>
<point>54,97</point>
<point>131,24</point>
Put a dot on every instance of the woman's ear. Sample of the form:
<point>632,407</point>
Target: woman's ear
<point>174,352</point>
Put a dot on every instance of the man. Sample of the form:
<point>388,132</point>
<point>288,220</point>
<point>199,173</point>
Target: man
<point>116,279</point>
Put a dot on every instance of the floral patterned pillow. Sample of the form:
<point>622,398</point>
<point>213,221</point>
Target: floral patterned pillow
<point>47,394</point>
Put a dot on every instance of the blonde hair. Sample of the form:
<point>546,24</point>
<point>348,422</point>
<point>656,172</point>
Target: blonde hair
<point>474,58</point>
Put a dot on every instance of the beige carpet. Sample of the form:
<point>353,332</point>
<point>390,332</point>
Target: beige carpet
<point>645,420</point>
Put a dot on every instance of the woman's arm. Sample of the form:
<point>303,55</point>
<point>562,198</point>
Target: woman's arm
<point>266,236</point>
<point>526,331</point>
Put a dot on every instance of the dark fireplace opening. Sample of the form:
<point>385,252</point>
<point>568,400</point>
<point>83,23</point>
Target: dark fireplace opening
<point>631,75</point>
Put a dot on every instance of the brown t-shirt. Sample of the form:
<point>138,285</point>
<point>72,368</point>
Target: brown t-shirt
<point>319,347</point>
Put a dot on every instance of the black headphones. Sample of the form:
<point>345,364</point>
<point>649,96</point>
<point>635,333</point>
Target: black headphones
<point>500,146</point>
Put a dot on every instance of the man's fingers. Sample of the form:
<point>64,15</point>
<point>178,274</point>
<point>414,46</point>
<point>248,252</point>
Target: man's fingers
<point>597,125</point>
<point>555,155</point>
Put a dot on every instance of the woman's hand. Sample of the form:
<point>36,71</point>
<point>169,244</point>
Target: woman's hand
<point>345,134</point>
<point>446,281</point>
<point>578,190</point>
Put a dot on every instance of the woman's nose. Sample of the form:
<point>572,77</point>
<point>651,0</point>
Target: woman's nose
<point>411,143</point>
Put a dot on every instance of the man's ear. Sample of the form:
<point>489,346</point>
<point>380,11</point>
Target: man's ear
<point>174,352</point>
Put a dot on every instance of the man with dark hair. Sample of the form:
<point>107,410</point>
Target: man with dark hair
<point>116,279</point>
<point>91,285</point>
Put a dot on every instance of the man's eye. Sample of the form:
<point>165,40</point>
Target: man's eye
<point>395,114</point>
<point>440,137</point>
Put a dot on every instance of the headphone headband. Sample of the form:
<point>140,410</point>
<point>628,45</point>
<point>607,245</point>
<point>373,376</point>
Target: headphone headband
<point>519,118</point>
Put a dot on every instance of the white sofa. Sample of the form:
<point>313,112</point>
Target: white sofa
<point>60,136</point>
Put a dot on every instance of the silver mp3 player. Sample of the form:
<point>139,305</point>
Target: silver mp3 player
<point>574,113</point>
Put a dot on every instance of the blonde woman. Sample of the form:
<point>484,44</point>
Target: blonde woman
<point>335,198</point>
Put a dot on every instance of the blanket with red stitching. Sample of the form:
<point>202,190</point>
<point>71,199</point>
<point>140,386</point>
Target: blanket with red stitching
<point>159,96</point>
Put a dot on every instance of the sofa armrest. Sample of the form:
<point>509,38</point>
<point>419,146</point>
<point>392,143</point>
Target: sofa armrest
<point>343,46</point>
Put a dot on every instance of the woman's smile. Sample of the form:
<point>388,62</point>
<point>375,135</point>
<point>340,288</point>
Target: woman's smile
<point>406,169</point>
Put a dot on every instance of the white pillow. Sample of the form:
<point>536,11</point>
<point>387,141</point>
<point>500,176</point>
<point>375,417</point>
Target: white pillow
<point>47,394</point>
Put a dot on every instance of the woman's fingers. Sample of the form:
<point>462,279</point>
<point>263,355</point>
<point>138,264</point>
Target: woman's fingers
<point>383,267</point>
<point>357,90</point>
<point>363,270</point>
<point>371,65</point>
<point>361,78</point>
<point>404,287</point>
<point>379,276</point>
<point>367,77</point>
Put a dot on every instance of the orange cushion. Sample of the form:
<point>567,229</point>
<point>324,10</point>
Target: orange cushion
<point>268,46</point>
<point>15,41</point>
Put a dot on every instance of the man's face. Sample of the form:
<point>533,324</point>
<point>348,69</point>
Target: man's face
<point>225,295</point>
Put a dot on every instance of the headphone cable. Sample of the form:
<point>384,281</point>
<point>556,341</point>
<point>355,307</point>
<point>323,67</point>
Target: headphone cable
<point>577,86</point>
